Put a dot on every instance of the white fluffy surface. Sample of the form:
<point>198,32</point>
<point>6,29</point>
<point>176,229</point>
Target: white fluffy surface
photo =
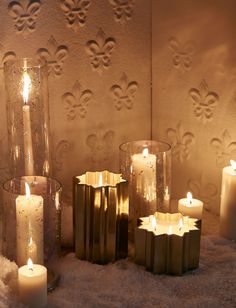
<point>124,284</point>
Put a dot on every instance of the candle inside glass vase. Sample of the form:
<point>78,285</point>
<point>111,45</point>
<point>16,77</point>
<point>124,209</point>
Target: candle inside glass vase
<point>29,228</point>
<point>27,135</point>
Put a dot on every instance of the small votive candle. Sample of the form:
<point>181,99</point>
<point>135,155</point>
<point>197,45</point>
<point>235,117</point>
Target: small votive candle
<point>190,207</point>
<point>32,285</point>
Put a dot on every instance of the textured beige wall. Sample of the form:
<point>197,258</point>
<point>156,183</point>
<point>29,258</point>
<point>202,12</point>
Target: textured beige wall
<point>194,91</point>
<point>98,52</point>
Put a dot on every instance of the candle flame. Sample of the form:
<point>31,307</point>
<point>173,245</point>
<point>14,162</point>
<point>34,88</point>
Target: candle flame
<point>233,164</point>
<point>181,223</point>
<point>145,152</point>
<point>169,232</point>
<point>27,190</point>
<point>30,264</point>
<point>26,87</point>
<point>189,198</point>
<point>154,223</point>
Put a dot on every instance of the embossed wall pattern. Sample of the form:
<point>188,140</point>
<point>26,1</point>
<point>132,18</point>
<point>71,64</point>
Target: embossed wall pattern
<point>96,93</point>
<point>99,58</point>
<point>194,82</point>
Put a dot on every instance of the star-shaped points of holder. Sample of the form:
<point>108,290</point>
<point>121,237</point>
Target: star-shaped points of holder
<point>167,243</point>
<point>100,214</point>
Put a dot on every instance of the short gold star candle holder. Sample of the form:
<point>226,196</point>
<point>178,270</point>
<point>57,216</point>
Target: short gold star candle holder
<point>167,243</point>
<point>100,216</point>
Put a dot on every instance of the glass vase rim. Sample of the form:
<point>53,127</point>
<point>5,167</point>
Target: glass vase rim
<point>33,62</point>
<point>155,142</point>
<point>19,178</point>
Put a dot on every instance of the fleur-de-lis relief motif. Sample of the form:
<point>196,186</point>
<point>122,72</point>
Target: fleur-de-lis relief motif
<point>101,143</point>
<point>124,93</point>
<point>75,12</point>
<point>6,56</point>
<point>24,14</point>
<point>181,142</point>
<point>204,101</point>
<point>77,101</point>
<point>54,56</point>
<point>224,148</point>
<point>206,192</point>
<point>123,9</point>
<point>100,50</point>
<point>182,56</point>
<point>62,149</point>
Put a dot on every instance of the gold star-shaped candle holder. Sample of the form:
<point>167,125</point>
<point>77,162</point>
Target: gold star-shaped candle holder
<point>100,215</point>
<point>167,243</point>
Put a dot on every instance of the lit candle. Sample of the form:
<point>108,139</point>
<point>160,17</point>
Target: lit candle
<point>228,202</point>
<point>167,243</point>
<point>144,179</point>
<point>29,228</point>
<point>32,285</point>
<point>190,207</point>
<point>28,148</point>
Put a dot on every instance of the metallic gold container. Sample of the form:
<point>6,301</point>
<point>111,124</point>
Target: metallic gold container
<point>167,243</point>
<point>100,216</point>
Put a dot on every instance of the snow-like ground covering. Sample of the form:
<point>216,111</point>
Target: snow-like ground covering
<point>125,284</point>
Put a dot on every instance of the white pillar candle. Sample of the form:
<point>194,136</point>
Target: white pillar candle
<point>28,147</point>
<point>144,179</point>
<point>29,228</point>
<point>32,285</point>
<point>228,202</point>
<point>190,207</point>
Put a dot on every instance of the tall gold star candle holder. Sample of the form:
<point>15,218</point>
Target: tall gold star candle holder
<point>100,215</point>
<point>167,243</point>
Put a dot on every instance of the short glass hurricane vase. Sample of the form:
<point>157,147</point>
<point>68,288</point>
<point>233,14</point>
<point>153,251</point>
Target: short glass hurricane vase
<point>31,219</point>
<point>146,165</point>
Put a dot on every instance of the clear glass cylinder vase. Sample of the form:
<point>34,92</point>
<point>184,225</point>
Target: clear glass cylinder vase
<point>146,165</point>
<point>31,222</point>
<point>27,117</point>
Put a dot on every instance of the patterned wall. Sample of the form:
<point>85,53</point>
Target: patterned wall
<point>99,76</point>
<point>194,91</point>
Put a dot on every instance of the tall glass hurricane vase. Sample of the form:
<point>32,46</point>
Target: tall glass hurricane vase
<point>27,117</point>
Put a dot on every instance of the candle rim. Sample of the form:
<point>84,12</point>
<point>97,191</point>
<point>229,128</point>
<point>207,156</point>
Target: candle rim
<point>192,204</point>
<point>25,271</point>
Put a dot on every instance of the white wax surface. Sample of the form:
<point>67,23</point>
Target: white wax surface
<point>144,183</point>
<point>32,286</point>
<point>28,147</point>
<point>193,210</point>
<point>29,229</point>
<point>228,203</point>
